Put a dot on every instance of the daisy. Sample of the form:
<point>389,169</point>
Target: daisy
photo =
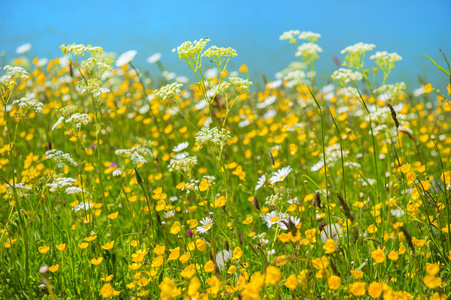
<point>280,175</point>
<point>261,181</point>
<point>125,58</point>
<point>207,223</point>
<point>169,214</point>
<point>294,220</point>
<point>271,218</point>
<point>180,147</point>
<point>23,48</point>
<point>154,58</point>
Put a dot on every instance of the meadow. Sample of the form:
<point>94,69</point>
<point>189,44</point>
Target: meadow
<point>119,184</point>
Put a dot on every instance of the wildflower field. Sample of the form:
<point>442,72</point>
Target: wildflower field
<point>121,185</point>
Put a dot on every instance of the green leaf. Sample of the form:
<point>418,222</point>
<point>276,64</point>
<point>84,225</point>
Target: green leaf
<point>438,66</point>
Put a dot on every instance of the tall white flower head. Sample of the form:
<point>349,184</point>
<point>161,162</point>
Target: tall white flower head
<point>60,157</point>
<point>309,36</point>
<point>355,54</point>
<point>183,164</point>
<point>222,257</point>
<point>125,58</point>
<point>344,76</point>
<point>212,136</point>
<point>23,48</point>
<point>240,84</point>
<point>308,51</point>
<point>29,104</point>
<point>191,52</point>
<point>168,91</point>
<point>386,61</point>
<point>280,175</point>
<point>290,36</point>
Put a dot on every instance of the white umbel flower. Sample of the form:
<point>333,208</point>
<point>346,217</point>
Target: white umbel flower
<point>83,205</point>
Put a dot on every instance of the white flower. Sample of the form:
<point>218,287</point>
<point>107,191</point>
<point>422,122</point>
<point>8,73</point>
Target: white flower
<point>117,173</point>
<point>125,58</point>
<point>83,205</point>
<point>274,84</point>
<point>154,58</point>
<point>180,147</point>
<point>333,231</point>
<point>344,76</point>
<point>212,136</point>
<point>271,218</point>
<point>222,257</point>
<point>309,51</point>
<point>261,181</point>
<point>168,91</point>
<point>60,182</point>
<point>206,223</point>
<point>280,175</point>
<point>23,48</point>
<point>309,36</point>
<point>268,101</point>
<point>169,214</point>
<point>74,190</point>
<point>27,103</point>
<point>60,157</point>
<point>289,35</point>
<point>181,155</point>
<point>182,164</point>
<point>294,220</point>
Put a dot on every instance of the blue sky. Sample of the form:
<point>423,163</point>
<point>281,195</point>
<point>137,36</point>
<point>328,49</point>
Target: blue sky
<point>410,28</point>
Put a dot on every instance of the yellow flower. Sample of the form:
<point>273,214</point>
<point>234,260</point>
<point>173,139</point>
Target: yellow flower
<point>143,281</point>
<point>62,247</point>
<point>378,255</point>
<point>134,243</point>
<point>438,296</point>
<point>90,238</point>
<point>357,288</point>
<point>240,173</point>
<point>237,252</point>
<point>292,282</point>
<point>157,261</point>
<point>220,202</point>
<point>193,287</point>
<point>273,275</point>
<point>428,88</point>
<point>108,246</point>
<point>405,168</point>
<point>432,282</point>
<point>107,290</point>
<point>185,257</point>
<point>330,246</point>
<point>372,228</point>
<point>188,272</point>
<point>215,285</point>
<point>83,245</point>
<point>209,266</point>
<point>357,274</point>
<point>393,255</point>
<point>201,245</point>
<point>320,263</point>
<point>113,216</point>
<point>160,205</point>
<point>432,269</point>
<point>175,253</point>
<point>204,185</point>
<point>334,282</point>
<point>159,250</point>
<point>43,249</point>
<point>96,261</point>
<point>411,176</point>
<point>248,220</point>
<point>375,289</point>
<point>231,270</point>
<point>108,278</point>
<point>446,177</point>
<point>54,268</point>
<point>308,198</point>
<point>175,228</point>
